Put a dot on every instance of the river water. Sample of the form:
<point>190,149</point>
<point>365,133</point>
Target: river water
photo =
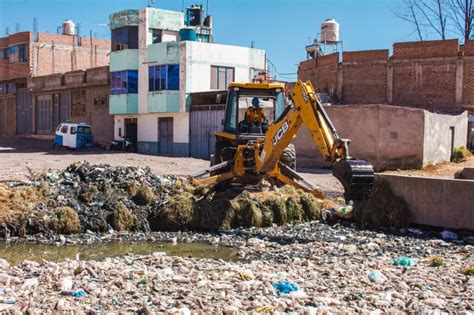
<point>15,253</point>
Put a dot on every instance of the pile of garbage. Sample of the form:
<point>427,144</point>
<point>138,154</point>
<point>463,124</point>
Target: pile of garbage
<point>100,198</point>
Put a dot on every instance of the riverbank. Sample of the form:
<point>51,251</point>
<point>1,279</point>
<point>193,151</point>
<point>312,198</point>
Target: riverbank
<point>335,268</point>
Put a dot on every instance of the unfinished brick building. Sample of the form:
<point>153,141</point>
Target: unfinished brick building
<point>24,55</point>
<point>434,75</point>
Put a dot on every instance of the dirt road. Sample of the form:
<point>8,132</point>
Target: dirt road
<point>21,156</point>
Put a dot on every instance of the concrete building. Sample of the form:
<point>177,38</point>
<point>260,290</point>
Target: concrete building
<point>75,96</point>
<point>24,55</point>
<point>158,58</point>
<point>389,137</point>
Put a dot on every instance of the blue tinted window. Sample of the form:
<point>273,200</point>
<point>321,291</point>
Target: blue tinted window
<point>163,77</point>
<point>132,81</point>
<point>173,77</point>
<point>17,53</point>
<point>124,82</point>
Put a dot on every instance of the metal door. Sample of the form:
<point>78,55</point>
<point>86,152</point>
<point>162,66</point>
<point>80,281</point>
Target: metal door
<point>24,113</point>
<point>63,107</point>
<point>205,120</point>
<point>165,135</point>
<point>451,142</point>
<point>44,114</point>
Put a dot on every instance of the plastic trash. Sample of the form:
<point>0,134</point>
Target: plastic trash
<point>8,300</point>
<point>79,293</point>
<point>448,235</point>
<point>5,290</point>
<point>376,276</point>
<point>142,282</point>
<point>285,287</point>
<point>404,261</point>
<point>66,284</point>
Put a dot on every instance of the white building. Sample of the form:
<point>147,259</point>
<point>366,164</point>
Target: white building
<point>158,58</point>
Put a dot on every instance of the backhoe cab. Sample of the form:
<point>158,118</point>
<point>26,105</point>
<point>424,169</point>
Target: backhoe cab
<point>256,140</point>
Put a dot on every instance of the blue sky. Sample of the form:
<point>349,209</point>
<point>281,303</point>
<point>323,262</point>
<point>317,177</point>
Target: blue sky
<point>281,27</point>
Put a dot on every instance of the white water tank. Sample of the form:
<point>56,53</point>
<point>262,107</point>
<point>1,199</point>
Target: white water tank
<point>68,27</point>
<point>329,31</point>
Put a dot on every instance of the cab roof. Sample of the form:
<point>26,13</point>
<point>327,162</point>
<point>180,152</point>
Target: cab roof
<point>75,124</point>
<point>266,86</point>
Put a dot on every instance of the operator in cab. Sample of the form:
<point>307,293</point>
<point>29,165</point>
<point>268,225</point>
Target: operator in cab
<point>254,114</point>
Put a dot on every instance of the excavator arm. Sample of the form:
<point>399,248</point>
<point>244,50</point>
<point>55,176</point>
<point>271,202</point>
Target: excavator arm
<point>355,175</point>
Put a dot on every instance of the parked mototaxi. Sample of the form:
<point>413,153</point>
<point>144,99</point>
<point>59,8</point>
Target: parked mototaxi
<point>73,135</point>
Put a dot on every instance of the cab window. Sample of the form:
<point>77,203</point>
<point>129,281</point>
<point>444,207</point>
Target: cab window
<point>83,129</point>
<point>73,130</point>
<point>59,127</point>
<point>64,129</point>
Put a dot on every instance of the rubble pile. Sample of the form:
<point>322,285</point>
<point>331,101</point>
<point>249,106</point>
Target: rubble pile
<point>100,198</point>
<point>307,268</point>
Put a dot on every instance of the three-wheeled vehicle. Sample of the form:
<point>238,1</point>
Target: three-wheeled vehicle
<point>73,136</point>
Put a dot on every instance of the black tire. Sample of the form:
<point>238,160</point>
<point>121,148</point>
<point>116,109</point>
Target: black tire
<point>289,156</point>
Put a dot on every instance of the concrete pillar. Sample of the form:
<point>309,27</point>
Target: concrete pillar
<point>340,82</point>
<point>459,80</point>
<point>389,83</point>
<point>142,65</point>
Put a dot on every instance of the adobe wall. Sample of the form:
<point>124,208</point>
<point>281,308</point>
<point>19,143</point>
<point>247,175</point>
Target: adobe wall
<point>434,75</point>
<point>322,72</point>
<point>389,137</point>
<point>437,202</point>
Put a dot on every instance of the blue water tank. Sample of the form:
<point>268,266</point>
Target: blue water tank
<point>187,34</point>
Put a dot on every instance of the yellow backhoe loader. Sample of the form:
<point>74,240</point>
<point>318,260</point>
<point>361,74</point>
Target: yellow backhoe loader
<point>252,147</point>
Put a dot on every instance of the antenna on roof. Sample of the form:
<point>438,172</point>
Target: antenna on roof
<point>7,31</point>
<point>17,27</point>
<point>78,32</point>
<point>182,6</point>
<point>151,3</point>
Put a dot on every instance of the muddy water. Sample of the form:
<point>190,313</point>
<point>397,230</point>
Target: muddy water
<point>16,253</point>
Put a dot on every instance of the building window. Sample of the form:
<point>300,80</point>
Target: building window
<point>78,103</point>
<point>156,36</point>
<point>125,37</point>
<point>17,53</point>
<point>163,77</point>
<point>102,101</point>
<point>221,77</point>
<point>3,53</point>
<point>124,82</point>
<point>7,88</point>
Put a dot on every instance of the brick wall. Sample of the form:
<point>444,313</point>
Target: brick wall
<point>426,49</point>
<point>434,75</point>
<point>365,77</point>
<point>53,53</point>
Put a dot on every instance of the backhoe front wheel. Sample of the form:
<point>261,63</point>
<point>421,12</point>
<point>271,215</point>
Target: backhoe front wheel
<point>289,156</point>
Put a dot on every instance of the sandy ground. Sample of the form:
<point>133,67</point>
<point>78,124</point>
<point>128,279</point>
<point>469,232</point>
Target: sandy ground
<point>21,156</point>
<point>439,170</point>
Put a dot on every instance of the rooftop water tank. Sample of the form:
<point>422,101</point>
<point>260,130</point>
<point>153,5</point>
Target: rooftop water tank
<point>187,34</point>
<point>68,27</point>
<point>330,32</point>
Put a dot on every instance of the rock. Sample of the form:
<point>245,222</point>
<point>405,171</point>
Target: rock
<point>4,264</point>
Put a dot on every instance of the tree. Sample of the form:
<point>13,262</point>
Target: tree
<point>461,13</point>
<point>441,17</point>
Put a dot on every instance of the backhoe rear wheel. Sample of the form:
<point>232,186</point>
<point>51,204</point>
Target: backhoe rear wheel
<point>289,156</point>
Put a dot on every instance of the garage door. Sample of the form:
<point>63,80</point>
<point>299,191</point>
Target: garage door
<point>24,113</point>
<point>44,114</point>
<point>205,120</point>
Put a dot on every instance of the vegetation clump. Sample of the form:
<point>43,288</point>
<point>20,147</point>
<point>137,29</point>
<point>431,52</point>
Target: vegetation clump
<point>383,208</point>
<point>65,221</point>
<point>123,219</point>
<point>460,154</point>
<point>144,195</point>
<point>436,261</point>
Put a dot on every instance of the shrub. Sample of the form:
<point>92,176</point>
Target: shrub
<point>460,154</point>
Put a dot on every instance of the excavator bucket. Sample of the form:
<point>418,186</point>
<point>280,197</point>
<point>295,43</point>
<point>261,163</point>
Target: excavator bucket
<point>357,177</point>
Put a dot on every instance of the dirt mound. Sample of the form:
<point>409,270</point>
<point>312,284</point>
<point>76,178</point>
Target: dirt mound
<point>101,197</point>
